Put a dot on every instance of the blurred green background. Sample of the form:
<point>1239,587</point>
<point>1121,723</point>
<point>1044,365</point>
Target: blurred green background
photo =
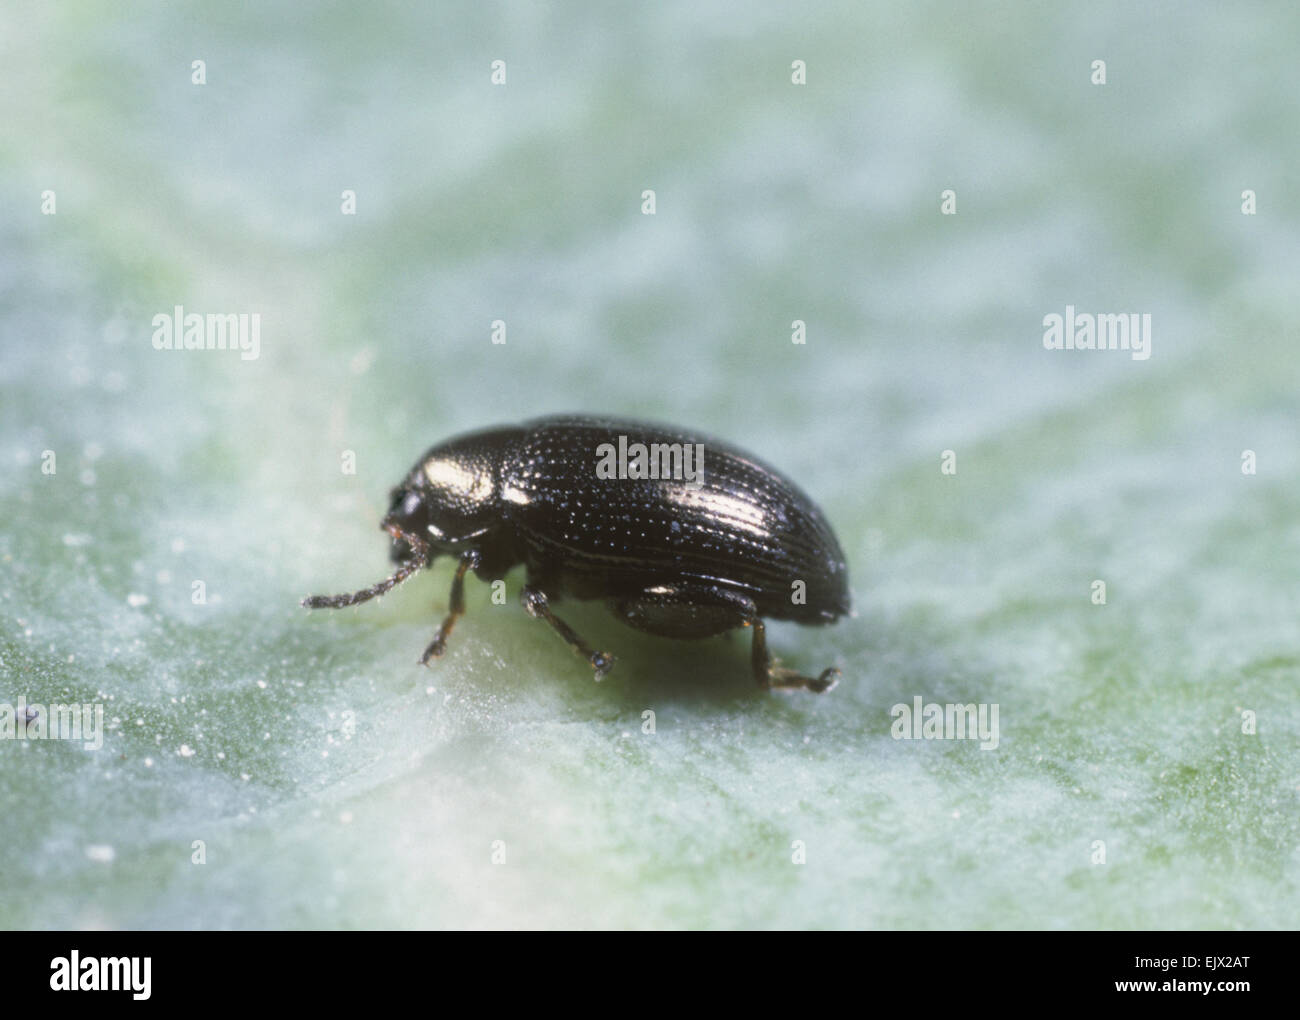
<point>333,782</point>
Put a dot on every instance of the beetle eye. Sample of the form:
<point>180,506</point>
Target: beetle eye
<point>402,503</point>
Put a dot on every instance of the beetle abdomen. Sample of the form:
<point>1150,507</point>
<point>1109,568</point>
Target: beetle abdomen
<point>730,520</point>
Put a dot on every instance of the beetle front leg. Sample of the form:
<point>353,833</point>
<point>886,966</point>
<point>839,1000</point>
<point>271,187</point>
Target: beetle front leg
<point>777,677</point>
<point>439,644</point>
<point>537,605</point>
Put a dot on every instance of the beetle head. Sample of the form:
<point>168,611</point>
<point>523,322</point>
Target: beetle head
<point>407,515</point>
<point>448,500</point>
<point>449,503</point>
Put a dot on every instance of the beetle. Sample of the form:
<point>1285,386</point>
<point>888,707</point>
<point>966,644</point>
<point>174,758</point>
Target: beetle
<point>683,536</point>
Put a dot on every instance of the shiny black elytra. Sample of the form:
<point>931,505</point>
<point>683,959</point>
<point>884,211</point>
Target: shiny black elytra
<point>671,557</point>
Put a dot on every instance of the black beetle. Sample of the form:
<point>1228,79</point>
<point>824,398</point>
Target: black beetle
<point>682,535</point>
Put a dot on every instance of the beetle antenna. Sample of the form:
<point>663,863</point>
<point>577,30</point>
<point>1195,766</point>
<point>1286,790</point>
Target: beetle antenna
<point>420,559</point>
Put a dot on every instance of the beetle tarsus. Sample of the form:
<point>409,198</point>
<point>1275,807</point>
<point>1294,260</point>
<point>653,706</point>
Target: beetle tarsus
<point>602,663</point>
<point>780,679</point>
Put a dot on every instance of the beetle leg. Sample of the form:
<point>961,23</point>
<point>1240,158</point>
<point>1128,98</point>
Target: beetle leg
<point>698,611</point>
<point>777,677</point>
<point>537,605</point>
<point>439,644</point>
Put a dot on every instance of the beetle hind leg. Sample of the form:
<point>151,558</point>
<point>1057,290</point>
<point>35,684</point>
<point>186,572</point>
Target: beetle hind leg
<point>703,610</point>
<point>537,605</point>
<point>775,677</point>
